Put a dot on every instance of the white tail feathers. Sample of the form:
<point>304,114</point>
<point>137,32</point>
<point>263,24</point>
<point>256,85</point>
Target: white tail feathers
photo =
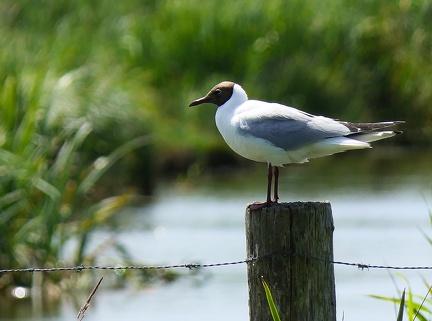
<point>335,145</point>
<point>371,137</point>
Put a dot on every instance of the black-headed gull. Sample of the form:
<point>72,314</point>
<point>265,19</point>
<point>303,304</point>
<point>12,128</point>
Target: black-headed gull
<point>278,134</point>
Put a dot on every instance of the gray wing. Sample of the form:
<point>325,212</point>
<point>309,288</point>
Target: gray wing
<point>292,134</point>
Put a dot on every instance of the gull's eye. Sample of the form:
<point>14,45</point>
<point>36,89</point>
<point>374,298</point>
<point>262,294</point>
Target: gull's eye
<point>218,91</point>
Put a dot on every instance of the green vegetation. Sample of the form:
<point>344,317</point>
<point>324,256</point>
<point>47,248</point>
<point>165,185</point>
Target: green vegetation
<point>401,307</point>
<point>82,84</point>
<point>417,307</point>
<point>272,306</point>
<point>412,308</point>
<point>351,60</point>
<point>47,187</point>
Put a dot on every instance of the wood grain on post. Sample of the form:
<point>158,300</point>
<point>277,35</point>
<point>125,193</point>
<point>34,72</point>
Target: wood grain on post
<point>282,237</point>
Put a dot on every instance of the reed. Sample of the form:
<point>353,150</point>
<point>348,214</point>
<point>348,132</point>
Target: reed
<point>47,180</point>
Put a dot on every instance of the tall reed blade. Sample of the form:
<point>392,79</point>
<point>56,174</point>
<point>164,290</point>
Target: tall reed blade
<point>272,305</point>
<point>401,307</point>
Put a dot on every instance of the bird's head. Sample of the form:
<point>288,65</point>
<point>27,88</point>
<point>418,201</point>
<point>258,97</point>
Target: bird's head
<point>218,95</point>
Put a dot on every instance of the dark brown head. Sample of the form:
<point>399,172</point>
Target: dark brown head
<point>219,94</point>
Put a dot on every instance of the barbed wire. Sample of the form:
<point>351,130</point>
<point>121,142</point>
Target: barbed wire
<point>80,268</point>
<point>192,266</point>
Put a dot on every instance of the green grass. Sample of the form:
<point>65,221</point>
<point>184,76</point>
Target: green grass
<point>401,307</point>
<point>272,306</point>
<point>416,307</point>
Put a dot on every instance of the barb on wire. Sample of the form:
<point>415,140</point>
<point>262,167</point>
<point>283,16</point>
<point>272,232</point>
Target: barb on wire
<point>192,266</point>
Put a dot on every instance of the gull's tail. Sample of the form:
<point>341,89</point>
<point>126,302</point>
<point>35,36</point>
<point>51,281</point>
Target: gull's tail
<point>370,132</point>
<point>359,138</point>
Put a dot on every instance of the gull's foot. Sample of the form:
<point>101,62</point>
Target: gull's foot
<point>259,205</point>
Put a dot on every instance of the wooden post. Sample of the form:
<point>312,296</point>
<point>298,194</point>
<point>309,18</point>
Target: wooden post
<point>282,237</point>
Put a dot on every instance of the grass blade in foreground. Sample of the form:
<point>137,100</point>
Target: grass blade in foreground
<point>401,307</point>
<point>272,306</point>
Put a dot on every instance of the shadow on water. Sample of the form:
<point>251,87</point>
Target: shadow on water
<point>200,217</point>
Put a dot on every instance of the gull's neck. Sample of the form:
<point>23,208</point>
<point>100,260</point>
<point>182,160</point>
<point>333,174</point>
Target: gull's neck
<point>238,97</point>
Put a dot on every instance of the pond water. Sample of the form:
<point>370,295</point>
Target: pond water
<point>380,203</point>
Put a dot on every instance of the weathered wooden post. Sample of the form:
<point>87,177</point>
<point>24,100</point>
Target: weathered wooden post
<point>282,237</point>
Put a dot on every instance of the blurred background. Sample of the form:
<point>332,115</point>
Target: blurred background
<point>102,162</point>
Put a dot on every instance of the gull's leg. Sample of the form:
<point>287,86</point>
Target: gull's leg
<point>268,202</point>
<point>276,185</point>
<point>269,184</point>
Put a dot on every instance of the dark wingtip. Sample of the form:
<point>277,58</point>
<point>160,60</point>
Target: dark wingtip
<point>369,127</point>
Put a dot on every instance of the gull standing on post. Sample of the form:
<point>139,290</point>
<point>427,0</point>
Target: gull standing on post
<point>277,134</point>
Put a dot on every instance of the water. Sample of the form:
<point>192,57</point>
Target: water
<point>380,208</point>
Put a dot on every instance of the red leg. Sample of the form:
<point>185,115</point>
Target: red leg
<point>269,183</point>
<point>268,202</point>
<point>276,185</point>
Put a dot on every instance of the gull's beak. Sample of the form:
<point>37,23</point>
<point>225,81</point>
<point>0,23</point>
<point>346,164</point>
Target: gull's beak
<point>200,101</point>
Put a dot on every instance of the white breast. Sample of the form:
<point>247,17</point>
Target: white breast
<point>256,149</point>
